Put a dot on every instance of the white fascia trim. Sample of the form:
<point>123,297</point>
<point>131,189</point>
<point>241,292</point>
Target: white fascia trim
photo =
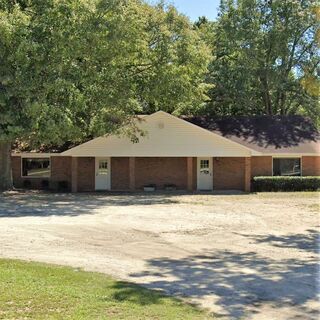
<point>80,146</point>
<point>34,154</point>
<point>252,151</point>
<point>69,151</point>
<point>288,155</point>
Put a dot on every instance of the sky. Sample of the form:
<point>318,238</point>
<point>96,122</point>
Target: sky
<point>195,8</point>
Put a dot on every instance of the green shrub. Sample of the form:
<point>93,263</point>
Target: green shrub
<point>286,184</point>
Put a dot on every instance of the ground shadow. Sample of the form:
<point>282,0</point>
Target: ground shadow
<point>126,291</point>
<point>241,282</point>
<point>303,241</point>
<point>46,204</point>
<point>23,204</point>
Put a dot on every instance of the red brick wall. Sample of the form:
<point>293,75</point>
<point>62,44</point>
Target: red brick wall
<point>261,166</point>
<point>86,174</point>
<point>195,173</point>
<point>60,171</point>
<point>161,171</point>
<point>311,166</point>
<point>228,173</point>
<point>16,172</point>
<point>120,173</point>
<point>20,182</point>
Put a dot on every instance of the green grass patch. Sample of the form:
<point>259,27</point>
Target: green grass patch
<point>30,290</point>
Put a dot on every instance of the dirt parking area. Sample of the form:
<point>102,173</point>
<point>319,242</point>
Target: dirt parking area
<point>241,256</point>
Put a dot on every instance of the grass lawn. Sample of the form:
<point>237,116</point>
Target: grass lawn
<point>30,290</point>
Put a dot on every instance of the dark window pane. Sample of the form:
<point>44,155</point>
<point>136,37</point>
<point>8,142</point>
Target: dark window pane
<point>276,167</point>
<point>35,167</point>
<point>286,167</point>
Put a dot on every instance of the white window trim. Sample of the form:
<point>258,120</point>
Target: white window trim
<point>287,157</point>
<point>31,157</point>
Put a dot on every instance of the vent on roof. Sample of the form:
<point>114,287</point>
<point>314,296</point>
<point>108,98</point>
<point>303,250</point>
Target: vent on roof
<point>160,125</point>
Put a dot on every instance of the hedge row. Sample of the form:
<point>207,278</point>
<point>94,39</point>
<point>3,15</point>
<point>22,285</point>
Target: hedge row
<point>286,184</point>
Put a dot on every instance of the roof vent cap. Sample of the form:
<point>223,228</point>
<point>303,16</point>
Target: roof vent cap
<point>160,125</point>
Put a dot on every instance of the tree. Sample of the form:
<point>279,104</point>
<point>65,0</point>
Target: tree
<point>201,21</point>
<point>71,69</point>
<point>265,58</point>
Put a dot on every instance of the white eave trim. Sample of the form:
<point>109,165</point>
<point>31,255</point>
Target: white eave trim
<point>46,155</point>
<point>34,154</point>
<point>251,152</point>
<point>288,155</point>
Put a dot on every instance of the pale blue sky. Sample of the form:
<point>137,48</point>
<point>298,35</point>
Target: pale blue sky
<point>195,8</point>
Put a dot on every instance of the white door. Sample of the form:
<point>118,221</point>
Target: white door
<point>204,176</point>
<point>103,173</point>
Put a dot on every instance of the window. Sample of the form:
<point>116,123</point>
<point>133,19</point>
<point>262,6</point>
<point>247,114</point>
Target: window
<point>286,167</point>
<point>204,166</point>
<point>103,167</point>
<point>36,167</point>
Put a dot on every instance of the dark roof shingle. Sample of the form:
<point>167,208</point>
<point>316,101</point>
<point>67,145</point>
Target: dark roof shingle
<point>266,134</point>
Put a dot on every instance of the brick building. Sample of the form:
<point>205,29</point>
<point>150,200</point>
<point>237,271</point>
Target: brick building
<point>188,153</point>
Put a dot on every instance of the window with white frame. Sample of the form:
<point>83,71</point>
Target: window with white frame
<point>35,167</point>
<point>286,166</point>
<point>103,167</point>
<point>204,166</point>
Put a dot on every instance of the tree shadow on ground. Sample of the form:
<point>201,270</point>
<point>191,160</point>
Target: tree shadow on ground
<point>59,204</point>
<point>126,291</point>
<point>24,204</point>
<point>302,241</point>
<point>240,282</point>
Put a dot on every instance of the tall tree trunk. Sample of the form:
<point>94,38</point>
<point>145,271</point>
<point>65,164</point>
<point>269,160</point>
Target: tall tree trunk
<point>283,98</point>
<point>266,95</point>
<point>5,165</point>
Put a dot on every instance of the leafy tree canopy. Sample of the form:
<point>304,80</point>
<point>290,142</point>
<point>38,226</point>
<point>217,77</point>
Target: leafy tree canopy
<point>265,58</point>
<point>73,69</point>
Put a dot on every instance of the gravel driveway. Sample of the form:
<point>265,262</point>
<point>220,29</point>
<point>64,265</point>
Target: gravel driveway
<point>240,256</point>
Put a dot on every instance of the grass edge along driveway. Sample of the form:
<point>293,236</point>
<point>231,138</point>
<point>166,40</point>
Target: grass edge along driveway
<point>31,290</point>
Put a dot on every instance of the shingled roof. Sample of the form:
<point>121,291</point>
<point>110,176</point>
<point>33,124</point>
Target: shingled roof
<point>266,134</point>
